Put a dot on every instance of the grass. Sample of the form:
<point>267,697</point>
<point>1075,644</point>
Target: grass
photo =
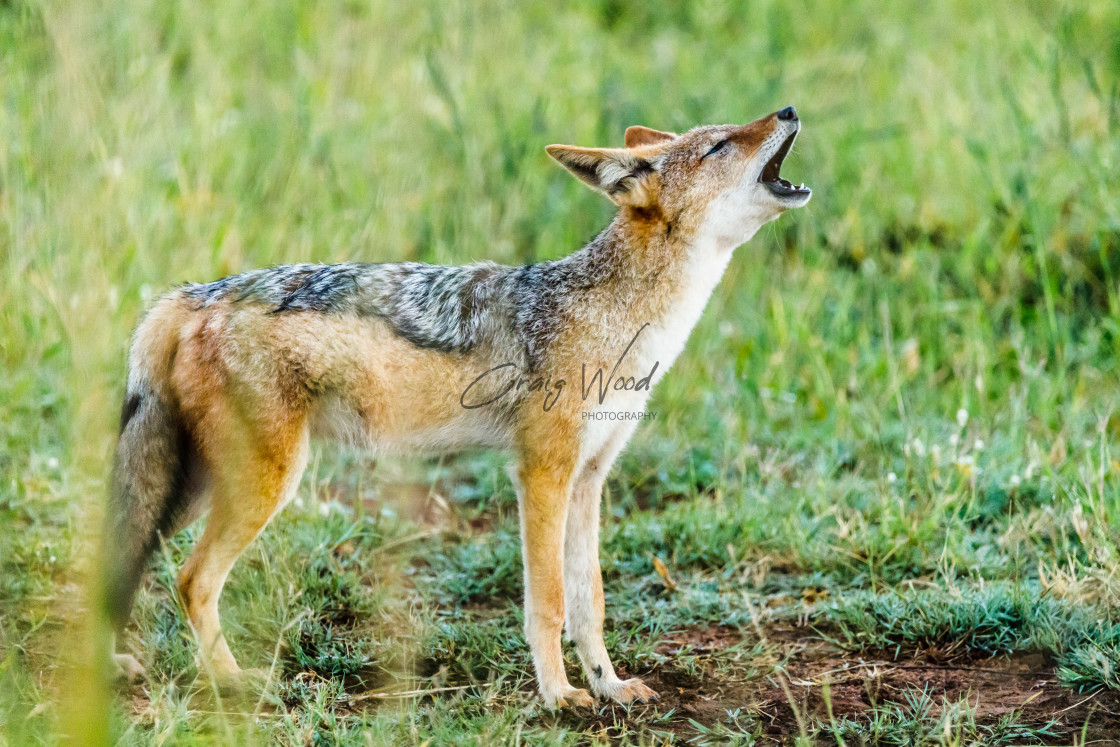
<point>894,431</point>
<point>918,720</point>
<point>987,621</point>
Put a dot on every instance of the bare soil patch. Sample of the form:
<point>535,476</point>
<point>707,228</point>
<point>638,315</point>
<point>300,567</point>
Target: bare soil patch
<point>804,668</point>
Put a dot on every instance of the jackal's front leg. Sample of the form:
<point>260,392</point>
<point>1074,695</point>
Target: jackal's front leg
<point>543,483</point>
<point>583,580</point>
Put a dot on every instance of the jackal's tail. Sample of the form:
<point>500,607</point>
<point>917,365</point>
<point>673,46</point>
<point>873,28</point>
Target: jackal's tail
<point>149,493</point>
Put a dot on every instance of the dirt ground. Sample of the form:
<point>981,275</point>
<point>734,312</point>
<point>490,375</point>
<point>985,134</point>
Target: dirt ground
<point>796,688</point>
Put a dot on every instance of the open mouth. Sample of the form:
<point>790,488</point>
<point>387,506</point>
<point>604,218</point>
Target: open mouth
<point>770,173</point>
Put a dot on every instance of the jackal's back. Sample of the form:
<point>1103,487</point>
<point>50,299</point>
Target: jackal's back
<point>450,309</point>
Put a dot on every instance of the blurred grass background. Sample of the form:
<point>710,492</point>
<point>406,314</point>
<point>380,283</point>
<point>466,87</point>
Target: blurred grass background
<point>962,251</point>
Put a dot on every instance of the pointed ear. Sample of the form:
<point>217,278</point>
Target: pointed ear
<point>638,135</point>
<point>622,175</point>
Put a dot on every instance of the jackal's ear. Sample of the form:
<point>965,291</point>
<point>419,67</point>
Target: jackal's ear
<point>638,135</point>
<point>624,176</point>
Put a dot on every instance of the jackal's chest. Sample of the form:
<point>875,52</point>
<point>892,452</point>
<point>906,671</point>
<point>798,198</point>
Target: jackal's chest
<point>661,328</point>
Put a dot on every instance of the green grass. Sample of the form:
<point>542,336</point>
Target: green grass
<point>995,619</point>
<point>919,721</point>
<point>961,253</point>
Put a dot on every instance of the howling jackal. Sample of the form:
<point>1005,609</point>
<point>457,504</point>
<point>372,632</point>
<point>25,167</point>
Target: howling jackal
<point>228,381</point>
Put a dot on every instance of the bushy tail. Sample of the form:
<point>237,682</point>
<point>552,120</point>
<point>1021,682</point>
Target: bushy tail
<point>147,488</point>
<point>149,493</point>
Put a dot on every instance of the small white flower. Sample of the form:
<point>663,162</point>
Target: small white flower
<point>324,509</point>
<point>1016,481</point>
<point>978,445</point>
<point>954,440</point>
<point>962,417</point>
<point>892,478</point>
<point>918,447</point>
<point>53,462</point>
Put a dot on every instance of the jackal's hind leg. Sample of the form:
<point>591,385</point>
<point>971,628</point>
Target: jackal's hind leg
<point>252,481</point>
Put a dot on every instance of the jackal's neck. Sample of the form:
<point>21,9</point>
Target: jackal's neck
<point>648,271</point>
<point>643,258</point>
<point>637,247</point>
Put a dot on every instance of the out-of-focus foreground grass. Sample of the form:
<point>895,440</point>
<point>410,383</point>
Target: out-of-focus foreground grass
<point>961,253</point>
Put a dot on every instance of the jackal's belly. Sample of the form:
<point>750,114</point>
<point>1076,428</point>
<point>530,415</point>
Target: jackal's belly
<point>401,425</point>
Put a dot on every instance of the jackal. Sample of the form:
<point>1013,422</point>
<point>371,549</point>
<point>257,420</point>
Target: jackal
<point>229,380</point>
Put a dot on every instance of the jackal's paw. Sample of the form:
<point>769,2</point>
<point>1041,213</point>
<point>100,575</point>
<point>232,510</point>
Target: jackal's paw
<point>128,668</point>
<point>628,691</point>
<point>571,698</point>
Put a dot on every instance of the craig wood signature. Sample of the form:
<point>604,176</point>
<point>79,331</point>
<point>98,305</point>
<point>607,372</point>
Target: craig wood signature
<point>553,388</point>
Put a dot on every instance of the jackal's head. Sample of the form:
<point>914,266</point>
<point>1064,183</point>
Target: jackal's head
<point>720,182</point>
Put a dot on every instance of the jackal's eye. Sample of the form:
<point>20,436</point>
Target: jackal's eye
<point>716,148</point>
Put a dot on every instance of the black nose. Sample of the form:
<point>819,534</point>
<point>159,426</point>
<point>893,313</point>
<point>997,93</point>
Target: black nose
<point>788,113</point>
